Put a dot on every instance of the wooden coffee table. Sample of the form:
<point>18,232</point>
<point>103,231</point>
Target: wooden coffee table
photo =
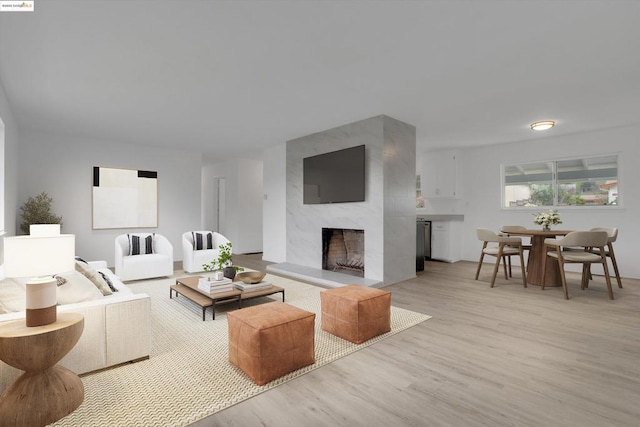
<point>188,287</point>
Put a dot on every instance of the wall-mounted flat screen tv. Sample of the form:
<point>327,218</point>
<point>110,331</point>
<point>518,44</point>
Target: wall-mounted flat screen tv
<point>335,177</point>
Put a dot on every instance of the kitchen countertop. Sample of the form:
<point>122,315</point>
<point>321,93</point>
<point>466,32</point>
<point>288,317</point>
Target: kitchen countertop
<point>435,217</point>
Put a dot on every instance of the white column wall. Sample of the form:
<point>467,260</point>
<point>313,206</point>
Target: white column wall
<point>389,161</point>
<point>274,216</point>
<point>399,201</point>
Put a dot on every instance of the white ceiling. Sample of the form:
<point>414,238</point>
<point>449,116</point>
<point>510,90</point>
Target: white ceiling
<point>230,78</point>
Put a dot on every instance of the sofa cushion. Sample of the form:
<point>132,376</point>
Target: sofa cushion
<point>141,244</point>
<point>12,295</point>
<point>202,241</point>
<point>77,289</point>
<point>95,277</point>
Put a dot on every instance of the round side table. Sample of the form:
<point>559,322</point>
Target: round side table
<point>45,392</point>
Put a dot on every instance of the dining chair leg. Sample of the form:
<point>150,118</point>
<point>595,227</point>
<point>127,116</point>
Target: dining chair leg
<point>606,274</point>
<point>495,270</point>
<point>586,273</point>
<point>544,271</point>
<point>510,274</point>
<point>564,279</point>
<point>612,255</point>
<point>504,266</point>
<point>479,265</point>
<point>524,276</point>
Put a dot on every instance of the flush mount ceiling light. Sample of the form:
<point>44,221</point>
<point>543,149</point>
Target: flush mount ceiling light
<point>543,125</point>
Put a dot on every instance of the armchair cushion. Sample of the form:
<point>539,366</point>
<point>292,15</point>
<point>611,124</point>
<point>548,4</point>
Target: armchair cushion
<point>192,258</point>
<point>141,244</point>
<point>144,265</point>
<point>202,240</point>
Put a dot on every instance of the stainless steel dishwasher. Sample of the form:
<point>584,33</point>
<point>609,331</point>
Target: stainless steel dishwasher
<point>423,243</point>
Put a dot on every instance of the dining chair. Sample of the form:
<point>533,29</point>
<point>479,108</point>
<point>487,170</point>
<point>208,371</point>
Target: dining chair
<point>575,240</point>
<point>505,229</point>
<point>612,234</point>
<point>500,247</point>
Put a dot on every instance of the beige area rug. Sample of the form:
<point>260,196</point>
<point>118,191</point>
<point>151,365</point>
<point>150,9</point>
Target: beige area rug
<point>188,376</point>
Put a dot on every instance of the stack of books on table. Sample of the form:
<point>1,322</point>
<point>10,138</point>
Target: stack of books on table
<point>215,286</point>
<point>252,287</point>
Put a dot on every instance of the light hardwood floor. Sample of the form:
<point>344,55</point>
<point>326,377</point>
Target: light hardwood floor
<point>506,356</point>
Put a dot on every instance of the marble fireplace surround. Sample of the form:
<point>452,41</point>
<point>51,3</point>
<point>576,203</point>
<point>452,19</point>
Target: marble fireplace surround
<point>387,215</point>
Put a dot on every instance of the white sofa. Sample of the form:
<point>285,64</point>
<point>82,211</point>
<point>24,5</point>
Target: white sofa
<point>135,267</point>
<point>192,260</point>
<point>117,329</point>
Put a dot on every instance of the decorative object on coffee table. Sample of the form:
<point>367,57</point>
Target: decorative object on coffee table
<point>251,277</point>
<point>46,392</point>
<point>224,262</point>
<point>356,313</point>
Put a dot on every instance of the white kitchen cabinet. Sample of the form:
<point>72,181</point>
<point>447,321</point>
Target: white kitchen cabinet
<point>439,172</point>
<point>445,240</point>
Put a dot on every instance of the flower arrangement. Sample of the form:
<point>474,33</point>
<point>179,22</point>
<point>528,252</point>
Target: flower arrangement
<point>545,219</point>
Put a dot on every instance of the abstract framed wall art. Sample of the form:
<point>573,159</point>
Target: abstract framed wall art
<point>124,198</point>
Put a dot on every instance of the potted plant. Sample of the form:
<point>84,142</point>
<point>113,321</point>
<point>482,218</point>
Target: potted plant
<point>38,211</point>
<point>224,262</point>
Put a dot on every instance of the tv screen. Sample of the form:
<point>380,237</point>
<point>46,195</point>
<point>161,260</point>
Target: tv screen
<point>335,177</point>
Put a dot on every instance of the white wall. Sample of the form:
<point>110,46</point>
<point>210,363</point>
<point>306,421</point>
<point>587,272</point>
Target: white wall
<point>274,214</point>
<point>243,201</point>
<point>250,202</point>
<point>481,204</point>
<point>210,198</point>
<point>10,200</point>
<point>62,166</point>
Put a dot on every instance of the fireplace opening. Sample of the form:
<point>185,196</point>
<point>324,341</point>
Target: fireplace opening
<point>343,251</point>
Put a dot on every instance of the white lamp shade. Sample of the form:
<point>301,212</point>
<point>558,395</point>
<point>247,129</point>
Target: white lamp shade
<point>33,256</point>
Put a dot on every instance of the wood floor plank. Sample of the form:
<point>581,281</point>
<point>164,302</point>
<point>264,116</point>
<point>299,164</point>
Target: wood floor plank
<point>506,356</point>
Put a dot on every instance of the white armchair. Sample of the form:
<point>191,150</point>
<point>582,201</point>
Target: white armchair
<point>156,263</point>
<point>192,259</point>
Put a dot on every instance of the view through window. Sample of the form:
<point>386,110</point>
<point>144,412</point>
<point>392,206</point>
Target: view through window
<point>589,181</point>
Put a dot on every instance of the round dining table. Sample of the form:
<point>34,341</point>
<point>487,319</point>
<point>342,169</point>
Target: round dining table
<point>538,256</point>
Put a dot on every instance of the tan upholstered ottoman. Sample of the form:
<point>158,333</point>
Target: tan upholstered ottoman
<point>269,340</point>
<point>356,313</point>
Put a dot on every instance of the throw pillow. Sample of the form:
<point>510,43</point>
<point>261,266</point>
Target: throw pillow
<point>140,244</point>
<point>94,277</point>
<point>109,282</point>
<point>77,289</point>
<point>202,241</point>
<point>80,259</point>
<point>59,279</point>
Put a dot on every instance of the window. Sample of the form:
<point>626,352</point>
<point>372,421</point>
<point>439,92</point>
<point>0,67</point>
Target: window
<point>574,182</point>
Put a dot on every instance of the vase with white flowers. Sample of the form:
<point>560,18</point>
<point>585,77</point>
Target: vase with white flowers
<point>546,219</point>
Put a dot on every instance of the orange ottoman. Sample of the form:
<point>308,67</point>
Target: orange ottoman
<point>269,340</point>
<point>356,313</point>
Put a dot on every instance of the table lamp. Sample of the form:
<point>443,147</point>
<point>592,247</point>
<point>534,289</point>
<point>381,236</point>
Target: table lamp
<point>40,255</point>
